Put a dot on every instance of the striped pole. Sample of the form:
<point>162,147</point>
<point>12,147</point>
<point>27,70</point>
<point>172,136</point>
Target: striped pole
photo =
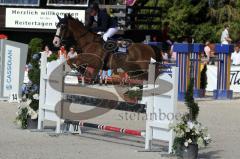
<point>223,72</point>
<point>77,124</point>
<point>196,67</point>
<point>183,62</point>
<point>112,129</point>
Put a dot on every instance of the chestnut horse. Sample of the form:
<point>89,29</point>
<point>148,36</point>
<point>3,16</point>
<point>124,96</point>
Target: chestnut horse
<point>93,53</point>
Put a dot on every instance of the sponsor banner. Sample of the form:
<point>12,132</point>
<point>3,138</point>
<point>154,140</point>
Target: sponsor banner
<point>20,2</point>
<point>38,18</point>
<point>11,70</point>
<point>234,79</point>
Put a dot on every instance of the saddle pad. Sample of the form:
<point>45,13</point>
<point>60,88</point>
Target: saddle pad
<point>122,50</point>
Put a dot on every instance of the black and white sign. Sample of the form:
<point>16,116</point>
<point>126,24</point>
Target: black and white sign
<point>20,2</point>
<point>14,98</point>
<point>38,18</point>
<point>234,78</point>
<point>82,3</point>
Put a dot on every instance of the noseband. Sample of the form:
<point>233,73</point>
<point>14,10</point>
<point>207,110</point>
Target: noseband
<point>70,39</point>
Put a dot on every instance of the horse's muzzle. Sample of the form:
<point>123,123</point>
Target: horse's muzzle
<point>56,41</point>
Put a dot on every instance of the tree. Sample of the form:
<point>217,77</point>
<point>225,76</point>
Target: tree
<point>202,20</point>
<point>225,12</point>
<point>190,103</point>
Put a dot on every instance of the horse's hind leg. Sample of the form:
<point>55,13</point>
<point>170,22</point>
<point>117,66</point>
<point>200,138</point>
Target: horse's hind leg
<point>96,76</point>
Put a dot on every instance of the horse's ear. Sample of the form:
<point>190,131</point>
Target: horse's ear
<point>58,17</point>
<point>65,16</point>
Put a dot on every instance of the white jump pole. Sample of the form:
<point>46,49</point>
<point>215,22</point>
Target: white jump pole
<point>164,103</point>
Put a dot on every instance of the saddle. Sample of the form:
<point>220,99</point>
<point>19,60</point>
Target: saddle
<point>117,46</point>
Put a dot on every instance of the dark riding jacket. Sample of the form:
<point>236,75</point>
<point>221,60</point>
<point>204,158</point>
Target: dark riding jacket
<point>104,22</point>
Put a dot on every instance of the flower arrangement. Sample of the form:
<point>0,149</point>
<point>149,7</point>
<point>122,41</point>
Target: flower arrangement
<point>25,111</point>
<point>188,130</point>
<point>134,93</point>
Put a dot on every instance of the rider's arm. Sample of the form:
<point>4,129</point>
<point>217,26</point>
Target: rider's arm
<point>90,22</point>
<point>104,17</point>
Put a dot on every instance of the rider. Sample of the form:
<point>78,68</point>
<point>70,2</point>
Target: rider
<point>105,23</point>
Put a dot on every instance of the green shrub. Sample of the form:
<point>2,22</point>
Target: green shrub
<point>53,57</point>
<point>35,46</point>
<point>203,78</point>
<point>190,103</point>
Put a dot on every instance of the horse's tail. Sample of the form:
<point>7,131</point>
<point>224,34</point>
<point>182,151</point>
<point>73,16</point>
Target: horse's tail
<point>70,62</point>
<point>158,55</point>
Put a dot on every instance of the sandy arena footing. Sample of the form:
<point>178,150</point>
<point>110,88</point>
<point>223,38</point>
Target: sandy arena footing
<point>221,118</point>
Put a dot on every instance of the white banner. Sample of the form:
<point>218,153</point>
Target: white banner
<point>212,78</point>
<point>11,70</point>
<point>38,18</point>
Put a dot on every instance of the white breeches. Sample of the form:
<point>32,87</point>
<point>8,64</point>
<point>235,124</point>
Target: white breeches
<point>109,33</point>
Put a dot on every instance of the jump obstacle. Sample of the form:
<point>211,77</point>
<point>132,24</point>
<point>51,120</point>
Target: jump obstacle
<point>188,61</point>
<point>51,104</point>
<point>191,53</point>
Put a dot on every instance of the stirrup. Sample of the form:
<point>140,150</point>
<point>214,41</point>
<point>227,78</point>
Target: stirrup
<point>110,45</point>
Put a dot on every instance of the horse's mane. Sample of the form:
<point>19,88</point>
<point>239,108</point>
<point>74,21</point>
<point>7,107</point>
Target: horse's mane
<point>77,20</point>
<point>82,25</point>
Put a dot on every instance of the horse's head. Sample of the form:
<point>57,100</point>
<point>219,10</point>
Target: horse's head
<point>65,29</point>
<point>62,31</point>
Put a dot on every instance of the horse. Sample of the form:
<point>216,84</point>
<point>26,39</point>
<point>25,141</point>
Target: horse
<point>93,53</point>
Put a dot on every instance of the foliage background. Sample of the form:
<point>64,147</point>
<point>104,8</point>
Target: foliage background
<point>200,19</point>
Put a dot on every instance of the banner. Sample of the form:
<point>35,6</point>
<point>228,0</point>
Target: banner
<point>11,70</point>
<point>212,78</point>
<point>13,57</point>
<point>38,18</point>
<point>20,2</point>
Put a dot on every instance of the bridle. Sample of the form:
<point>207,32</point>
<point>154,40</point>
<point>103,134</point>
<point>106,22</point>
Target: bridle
<point>62,39</point>
<point>69,39</point>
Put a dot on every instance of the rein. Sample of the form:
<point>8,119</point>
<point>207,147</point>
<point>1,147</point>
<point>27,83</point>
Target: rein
<point>81,36</point>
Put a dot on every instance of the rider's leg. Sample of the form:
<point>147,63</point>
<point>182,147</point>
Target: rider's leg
<point>104,76</point>
<point>108,74</point>
<point>109,33</point>
<point>100,77</point>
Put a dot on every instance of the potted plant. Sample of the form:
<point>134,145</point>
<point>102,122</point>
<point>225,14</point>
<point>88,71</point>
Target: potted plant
<point>190,134</point>
<point>133,94</point>
<point>203,81</point>
<point>27,116</point>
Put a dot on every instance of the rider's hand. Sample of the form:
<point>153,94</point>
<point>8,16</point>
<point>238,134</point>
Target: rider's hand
<point>100,33</point>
